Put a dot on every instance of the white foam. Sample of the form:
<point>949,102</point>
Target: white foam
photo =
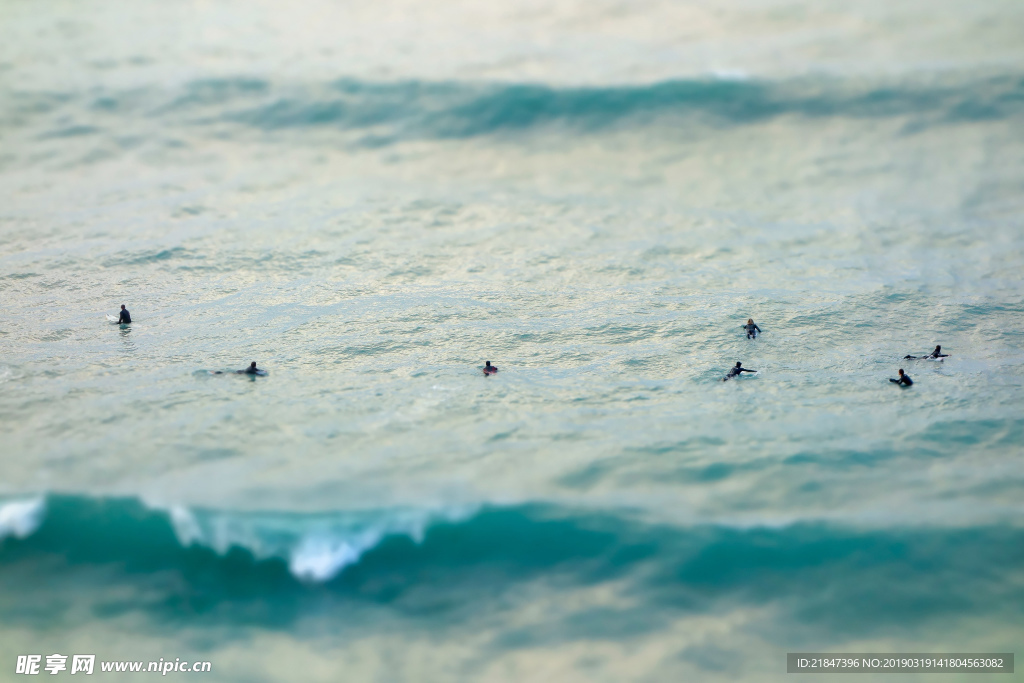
<point>21,518</point>
<point>322,558</point>
<point>186,528</point>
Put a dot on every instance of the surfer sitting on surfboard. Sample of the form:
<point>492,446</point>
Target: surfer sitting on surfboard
<point>490,369</point>
<point>751,329</point>
<point>735,371</point>
<point>937,353</point>
<point>125,316</point>
<point>904,379</point>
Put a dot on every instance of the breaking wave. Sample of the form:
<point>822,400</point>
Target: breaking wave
<point>314,547</point>
<point>272,569</point>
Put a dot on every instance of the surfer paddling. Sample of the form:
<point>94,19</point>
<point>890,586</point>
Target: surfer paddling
<point>751,329</point>
<point>904,380</point>
<point>251,370</point>
<point>937,353</point>
<point>735,371</point>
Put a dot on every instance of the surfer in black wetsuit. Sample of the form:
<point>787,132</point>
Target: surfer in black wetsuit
<point>490,369</point>
<point>125,316</point>
<point>937,353</point>
<point>735,371</point>
<point>751,329</point>
<point>904,379</point>
<point>251,370</point>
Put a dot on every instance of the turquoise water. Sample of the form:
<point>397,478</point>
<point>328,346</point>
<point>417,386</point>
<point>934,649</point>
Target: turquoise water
<point>371,202</point>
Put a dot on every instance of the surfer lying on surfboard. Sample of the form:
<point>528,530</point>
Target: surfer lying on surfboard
<point>904,379</point>
<point>251,370</point>
<point>751,329</point>
<point>735,371</point>
<point>937,353</point>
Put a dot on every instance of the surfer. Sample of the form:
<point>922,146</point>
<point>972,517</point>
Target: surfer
<point>904,379</point>
<point>125,316</point>
<point>751,329</point>
<point>937,353</point>
<point>735,371</point>
<point>251,370</point>
<point>490,369</point>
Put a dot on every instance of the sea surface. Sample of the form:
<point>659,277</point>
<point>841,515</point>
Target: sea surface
<point>371,199</point>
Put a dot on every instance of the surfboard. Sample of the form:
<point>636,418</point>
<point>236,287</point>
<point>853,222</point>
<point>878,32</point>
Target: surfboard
<point>112,318</point>
<point>750,374</point>
<point>258,373</point>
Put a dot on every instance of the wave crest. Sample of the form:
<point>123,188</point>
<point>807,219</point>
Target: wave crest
<point>382,113</point>
<point>316,547</point>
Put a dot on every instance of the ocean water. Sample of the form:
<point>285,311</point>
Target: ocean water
<point>371,201</point>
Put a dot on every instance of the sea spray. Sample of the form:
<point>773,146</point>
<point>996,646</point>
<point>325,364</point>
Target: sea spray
<point>21,518</point>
